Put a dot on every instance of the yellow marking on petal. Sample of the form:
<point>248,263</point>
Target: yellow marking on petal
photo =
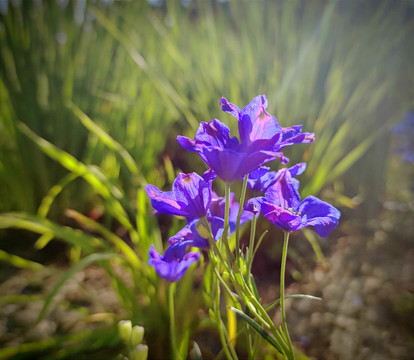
<point>262,116</point>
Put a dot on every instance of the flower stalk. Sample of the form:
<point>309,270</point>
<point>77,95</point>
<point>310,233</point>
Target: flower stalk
<point>282,291</point>
<point>171,294</point>
<point>241,204</point>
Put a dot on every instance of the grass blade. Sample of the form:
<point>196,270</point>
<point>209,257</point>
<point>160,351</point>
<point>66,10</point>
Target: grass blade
<point>19,262</point>
<point>295,296</point>
<point>42,226</point>
<point>77,267</point>
<point>258,329</point>
<point>105,138</point>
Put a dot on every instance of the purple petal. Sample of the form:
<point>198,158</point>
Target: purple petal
<point>215,133</point>
<point>209,175</point>
<point>257,128</point>
<point>186,143</point>
<point>254,205</point>
<point>297,169</point>
<point>258,173</point>
<point>284,192</point>
<point>163,201</point>
<point>173,264</point>
<point>319,214</point>
<point>280,217</point>
<point>212,133</point>
<point>259,180</point>
<point>256,124</point>
<point>193,194</point>
<point>231,165</point>
<point>292,135</point>
<point>175,252</point>
<point>230,108</point>
<point>217,226</point>
<point>183,235</point>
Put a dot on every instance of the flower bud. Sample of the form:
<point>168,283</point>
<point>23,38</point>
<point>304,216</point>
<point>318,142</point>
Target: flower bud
<point>137,335</point>
<point>140,352</point>
<point>202,229</point>
<point>124,329</point>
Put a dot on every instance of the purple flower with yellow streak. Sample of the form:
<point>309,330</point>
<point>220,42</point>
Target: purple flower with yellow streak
<point>225,155</point>
<point>282,206</point>
<point>190,196</point>
<point>258,128</point>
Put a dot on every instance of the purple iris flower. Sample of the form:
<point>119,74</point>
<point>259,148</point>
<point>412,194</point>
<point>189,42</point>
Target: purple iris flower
<point>282,206</point>
<point>228,158</point>
<point>174,263</point>
<point>404,131</point>
<point>190,196</point>
<point>258,128</point>
<point>195,233</point>
<point>261,179</point>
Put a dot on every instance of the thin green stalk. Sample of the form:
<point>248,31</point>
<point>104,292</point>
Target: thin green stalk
<point>250,347</point>
<point>241,204</point>
<point>171,293</point>
<point>226,287</point>
<point>225,236</point>
<point>228,349</point>
<point>255,345</point>
<point>282,291</point>
<point>213,245</point>
<point>251,245</point>
<point>224,336</point>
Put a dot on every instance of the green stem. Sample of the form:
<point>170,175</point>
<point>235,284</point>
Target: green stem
<point>213,245</point>
<point>171,293</point>
<point>225,237</point>
<point>241,204</point>
<point>251,245</point>
<point>228,349</point>
<point>282,291</point>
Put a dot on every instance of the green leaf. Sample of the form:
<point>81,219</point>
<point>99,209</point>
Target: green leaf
<point>90,173</point>
<point>54,192</point>
<point>258,329</point>
<point>77,267</point>
<point>294,296</point>
<point>114,239</point>
<point>19,262</point>
<point>105,138</point>
<point>43,226</point>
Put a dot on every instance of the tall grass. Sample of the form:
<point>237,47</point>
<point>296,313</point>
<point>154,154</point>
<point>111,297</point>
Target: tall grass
<point>337,68</point>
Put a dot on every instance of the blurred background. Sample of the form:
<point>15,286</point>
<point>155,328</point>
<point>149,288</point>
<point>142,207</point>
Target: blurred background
<point>92,97</point>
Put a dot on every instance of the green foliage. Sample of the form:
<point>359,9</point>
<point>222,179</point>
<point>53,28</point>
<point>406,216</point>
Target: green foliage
<point>338,69</point>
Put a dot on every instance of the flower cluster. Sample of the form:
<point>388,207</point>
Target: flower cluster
<point>261,140</point>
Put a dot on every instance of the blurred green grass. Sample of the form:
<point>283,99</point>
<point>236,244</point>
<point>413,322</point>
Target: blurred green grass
<point>341,69</point>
